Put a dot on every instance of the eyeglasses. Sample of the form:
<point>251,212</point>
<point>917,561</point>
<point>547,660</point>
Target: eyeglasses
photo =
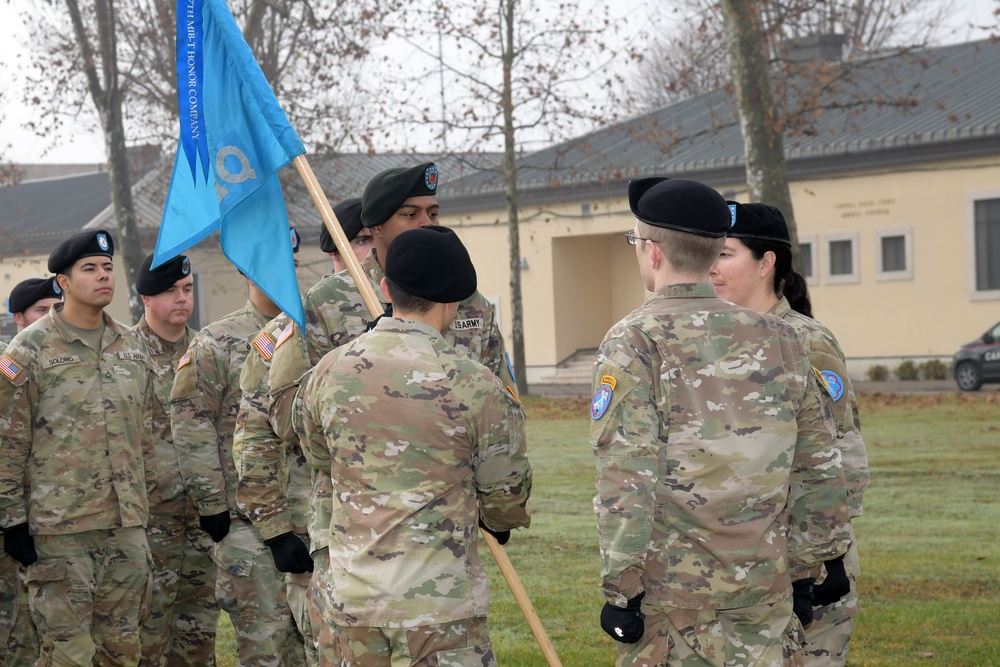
<point>633,239</point>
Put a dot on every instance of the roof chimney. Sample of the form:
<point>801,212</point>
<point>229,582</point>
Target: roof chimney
<point>829,46</point>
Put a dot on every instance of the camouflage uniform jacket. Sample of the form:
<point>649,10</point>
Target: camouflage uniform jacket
<point>274,481</point>
<point>826,356</point>
<point>169,496</point>
<point>421,441</point>
<point>711,439</point>
<point>335,315</point>
<point>203,406</point>
<point>76,453</point>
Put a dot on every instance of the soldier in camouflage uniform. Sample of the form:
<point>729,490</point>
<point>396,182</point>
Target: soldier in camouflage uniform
<point>422,444</point>
<point>755,271</point>
<point>711,441</point>
<point>203,409</point>
<point>75,462</point>
<point>276,483</point>
<point>393,201</point>
<point>29,301</point>
<point>183,615</point>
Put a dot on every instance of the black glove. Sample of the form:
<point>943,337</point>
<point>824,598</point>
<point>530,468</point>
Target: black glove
<point>19,544</point>
<point>290,553</point>
<point>501,535</point>
<point>835,586</point>
<point>802,600</point>
<point>216,525</point>
<point>387,313</point>
<point>624,625</point>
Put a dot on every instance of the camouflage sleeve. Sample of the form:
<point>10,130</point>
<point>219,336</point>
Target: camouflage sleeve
<point>259,455</point>
<point>15,446</point>
<point>195,409</point>
<point>310,429</point>
<point>826,356</point>
<point>818,514</point>
<point>148,445</point>
<point>291,360</point>
<point>623,433</point>
<point>495,355</point>
<point>500,467</point>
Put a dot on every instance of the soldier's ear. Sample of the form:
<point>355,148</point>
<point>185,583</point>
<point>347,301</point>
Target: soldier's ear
<point>385,290</point>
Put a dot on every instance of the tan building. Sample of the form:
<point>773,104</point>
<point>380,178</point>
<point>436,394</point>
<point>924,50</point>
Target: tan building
<point>898,214</point>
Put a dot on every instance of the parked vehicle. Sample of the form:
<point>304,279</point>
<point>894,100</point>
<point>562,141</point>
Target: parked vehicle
<point>978,362</point>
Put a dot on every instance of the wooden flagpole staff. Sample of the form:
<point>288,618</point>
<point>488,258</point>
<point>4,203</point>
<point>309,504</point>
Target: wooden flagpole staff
<point>375,308</point>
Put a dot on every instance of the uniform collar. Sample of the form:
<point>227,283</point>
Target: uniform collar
<point>403,325</point>
<point>686,291</point>
<point>111,327</point>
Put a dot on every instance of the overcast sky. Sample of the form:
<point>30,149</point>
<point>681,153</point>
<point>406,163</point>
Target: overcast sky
<point>88,146</point>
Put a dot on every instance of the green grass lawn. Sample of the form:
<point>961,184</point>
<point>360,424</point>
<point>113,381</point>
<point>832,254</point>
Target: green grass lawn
<point>929,540</point>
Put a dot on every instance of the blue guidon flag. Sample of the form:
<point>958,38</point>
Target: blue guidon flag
<point>234,138</point>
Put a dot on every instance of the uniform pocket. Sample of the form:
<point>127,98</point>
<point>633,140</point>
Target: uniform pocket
<point>471,656</point>
<point>49,596</point>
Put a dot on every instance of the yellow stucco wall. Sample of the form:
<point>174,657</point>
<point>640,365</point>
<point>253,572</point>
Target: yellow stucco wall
<point>581,276</point>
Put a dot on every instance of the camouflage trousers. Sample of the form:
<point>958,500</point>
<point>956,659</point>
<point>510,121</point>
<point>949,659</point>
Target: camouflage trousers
<point>464,643</point>
<point>183,613</point>
<point>299,602</point>
<point>764,635</point>
<point>828,637</point>
<point>250,589</point>
<point>89,594</point>
<point>319,592</point>
<point>19,646</point>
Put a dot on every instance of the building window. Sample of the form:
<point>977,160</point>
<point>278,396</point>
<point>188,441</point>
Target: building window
<point>986,222</point>
<point>895,248</point>
<point>842,258</point>
<point>808,254</point>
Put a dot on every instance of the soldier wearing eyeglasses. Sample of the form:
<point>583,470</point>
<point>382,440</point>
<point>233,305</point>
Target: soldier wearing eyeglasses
<point>719,481</point>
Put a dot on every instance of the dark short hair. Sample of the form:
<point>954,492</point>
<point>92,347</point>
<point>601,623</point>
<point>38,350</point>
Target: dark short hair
<point>404,301</point>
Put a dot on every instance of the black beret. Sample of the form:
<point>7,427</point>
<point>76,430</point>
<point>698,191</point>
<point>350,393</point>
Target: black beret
<point>348,212</point>
<point>296,241</point>
<point>159,280</point>
<point>87,244</point>
<point>29,292</point>
<point>387,191</point>
<point>431,263</point>
<point>758,221</point>
<point>680,204</point>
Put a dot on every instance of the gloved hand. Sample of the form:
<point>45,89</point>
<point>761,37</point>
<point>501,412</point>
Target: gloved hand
<point>501,535</point>
<point>624,625</point>
<point>19,544</point>
<point>802,600</point>
<point>835,586</point>
<point>290,553</point>
<point>216,525</point>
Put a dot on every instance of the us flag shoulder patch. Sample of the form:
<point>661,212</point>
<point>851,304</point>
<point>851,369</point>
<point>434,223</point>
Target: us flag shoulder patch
<point>9,368</point>
<point>185,360</point>
<point>286,333</point>
<point>265,345</point>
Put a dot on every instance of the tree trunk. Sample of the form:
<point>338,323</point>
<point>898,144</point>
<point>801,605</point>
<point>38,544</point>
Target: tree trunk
<point>510,187</point>
<point>108,102</point>
<point>760,122</point>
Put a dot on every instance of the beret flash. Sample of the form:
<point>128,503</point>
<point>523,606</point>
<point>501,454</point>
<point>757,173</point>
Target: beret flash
<point>387,191</point>
<point>679,204</point>
<point>431,263</point>
<point>86,244</point>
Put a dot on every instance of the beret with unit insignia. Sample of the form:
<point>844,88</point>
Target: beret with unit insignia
<point>87,244</point>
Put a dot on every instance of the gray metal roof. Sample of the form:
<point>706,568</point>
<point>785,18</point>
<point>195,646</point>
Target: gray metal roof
<point>956,91</point>
<point>340,175</point>
<point>36,215</point>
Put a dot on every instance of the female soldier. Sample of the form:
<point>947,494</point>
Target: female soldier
<point>754,270</point>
